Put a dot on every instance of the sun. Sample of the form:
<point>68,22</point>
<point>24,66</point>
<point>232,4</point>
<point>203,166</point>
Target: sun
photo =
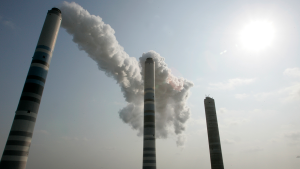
<point>257,35</point>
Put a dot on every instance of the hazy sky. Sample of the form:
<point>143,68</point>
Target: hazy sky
<point>257,92</point>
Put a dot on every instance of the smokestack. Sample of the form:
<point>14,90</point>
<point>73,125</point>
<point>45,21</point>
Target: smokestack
<point>16,150</point>
<point>216,159</point>
<point>149,152</point>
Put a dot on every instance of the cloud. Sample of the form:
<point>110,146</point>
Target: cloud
<point>228,141</point>
<point>241,96</point>
<point>294,138</point>
<point>223,110</point>
<point>294,135</point>
<point>285,95</point>
<point>181,140</point>
<point>235,121</point>
<point>254,150</point>
<point>292,93</point>
<point>44,132</point>
<point>292,72</point>
<point>223,52</point>
<point>7,23</point>
<point>264,95</point>
<point>231,118</point>
<point>78,139</point>
<point>197,121</point>
<point>234,113</point>
<point>230,84</point>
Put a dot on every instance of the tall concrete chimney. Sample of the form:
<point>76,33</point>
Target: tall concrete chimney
<point>216,159</point>
<point>16,150</point>
<point>149,152</point>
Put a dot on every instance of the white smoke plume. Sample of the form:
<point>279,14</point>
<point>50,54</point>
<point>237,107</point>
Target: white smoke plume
<point>97,39</point>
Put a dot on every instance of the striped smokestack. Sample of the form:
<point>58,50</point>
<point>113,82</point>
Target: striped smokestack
<point>216,159</point>
<point>16,150</point>
<point>149,152</point>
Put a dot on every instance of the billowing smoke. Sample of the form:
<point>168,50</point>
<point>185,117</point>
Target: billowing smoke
<point>97,39</point>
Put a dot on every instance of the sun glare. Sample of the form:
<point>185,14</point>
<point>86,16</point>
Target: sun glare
<point>257,35</point>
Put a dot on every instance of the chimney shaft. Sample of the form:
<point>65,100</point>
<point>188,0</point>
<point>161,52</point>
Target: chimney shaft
<point>16,150</point>
<point>149,151</point>
<point>215,151</point>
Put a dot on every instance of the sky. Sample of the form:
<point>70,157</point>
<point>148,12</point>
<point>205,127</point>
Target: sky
<point>256,91</point>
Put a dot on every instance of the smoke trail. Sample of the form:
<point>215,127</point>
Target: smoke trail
<point>97,39</point>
